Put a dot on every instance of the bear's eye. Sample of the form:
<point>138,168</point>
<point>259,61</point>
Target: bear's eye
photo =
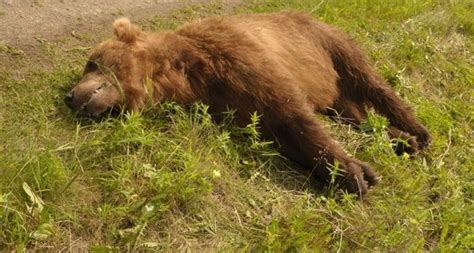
<point>100,88</point>
<point>90,67</point>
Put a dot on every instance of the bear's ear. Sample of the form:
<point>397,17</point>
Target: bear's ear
<point>125,30</point>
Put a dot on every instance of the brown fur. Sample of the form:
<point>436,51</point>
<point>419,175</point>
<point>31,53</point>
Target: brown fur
<point>285,66</point>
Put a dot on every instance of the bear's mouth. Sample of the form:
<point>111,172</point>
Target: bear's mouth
<point>107,112</point>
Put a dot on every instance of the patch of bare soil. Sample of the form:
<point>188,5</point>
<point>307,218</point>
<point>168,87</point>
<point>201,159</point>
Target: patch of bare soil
<point>25,23</point>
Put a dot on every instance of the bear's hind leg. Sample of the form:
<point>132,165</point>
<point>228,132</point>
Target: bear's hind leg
<point>359,81</point>
<point>402,120</point>
<point>352,113</point>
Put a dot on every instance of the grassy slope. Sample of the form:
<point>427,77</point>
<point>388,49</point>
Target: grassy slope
<point>171,180</point>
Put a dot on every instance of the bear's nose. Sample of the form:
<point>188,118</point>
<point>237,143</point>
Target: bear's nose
<point>68,99</point>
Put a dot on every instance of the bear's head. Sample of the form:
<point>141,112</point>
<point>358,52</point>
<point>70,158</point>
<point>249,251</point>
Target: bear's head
<point>116,73</point>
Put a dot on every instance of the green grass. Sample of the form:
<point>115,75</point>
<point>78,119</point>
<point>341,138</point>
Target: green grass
<point>170,180</point>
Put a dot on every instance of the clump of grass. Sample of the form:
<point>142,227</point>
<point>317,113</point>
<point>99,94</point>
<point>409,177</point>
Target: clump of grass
<point>170,179</point>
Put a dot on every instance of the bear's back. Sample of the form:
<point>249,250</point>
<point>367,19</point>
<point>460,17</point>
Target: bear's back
<point>287,42</point>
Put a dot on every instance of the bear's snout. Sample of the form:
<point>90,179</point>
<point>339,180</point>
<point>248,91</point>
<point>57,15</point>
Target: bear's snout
<point>93,96</point>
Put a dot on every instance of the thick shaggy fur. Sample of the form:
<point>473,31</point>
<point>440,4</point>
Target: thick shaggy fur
<point>285,66</point>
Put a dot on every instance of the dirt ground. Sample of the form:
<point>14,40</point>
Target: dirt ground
<point>25,23</point>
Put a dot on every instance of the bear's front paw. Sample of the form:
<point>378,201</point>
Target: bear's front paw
<point>358,177</point>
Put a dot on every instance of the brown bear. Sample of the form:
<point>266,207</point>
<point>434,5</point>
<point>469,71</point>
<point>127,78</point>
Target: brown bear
<point>285,66</point>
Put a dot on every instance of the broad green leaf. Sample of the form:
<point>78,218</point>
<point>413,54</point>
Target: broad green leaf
<point>36,202</point>
<point>43,232</point>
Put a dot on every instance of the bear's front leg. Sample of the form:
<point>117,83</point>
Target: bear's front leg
<point>303,140</point>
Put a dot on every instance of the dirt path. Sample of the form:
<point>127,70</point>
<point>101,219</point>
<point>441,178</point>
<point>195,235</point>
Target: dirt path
<point>24,23</point>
